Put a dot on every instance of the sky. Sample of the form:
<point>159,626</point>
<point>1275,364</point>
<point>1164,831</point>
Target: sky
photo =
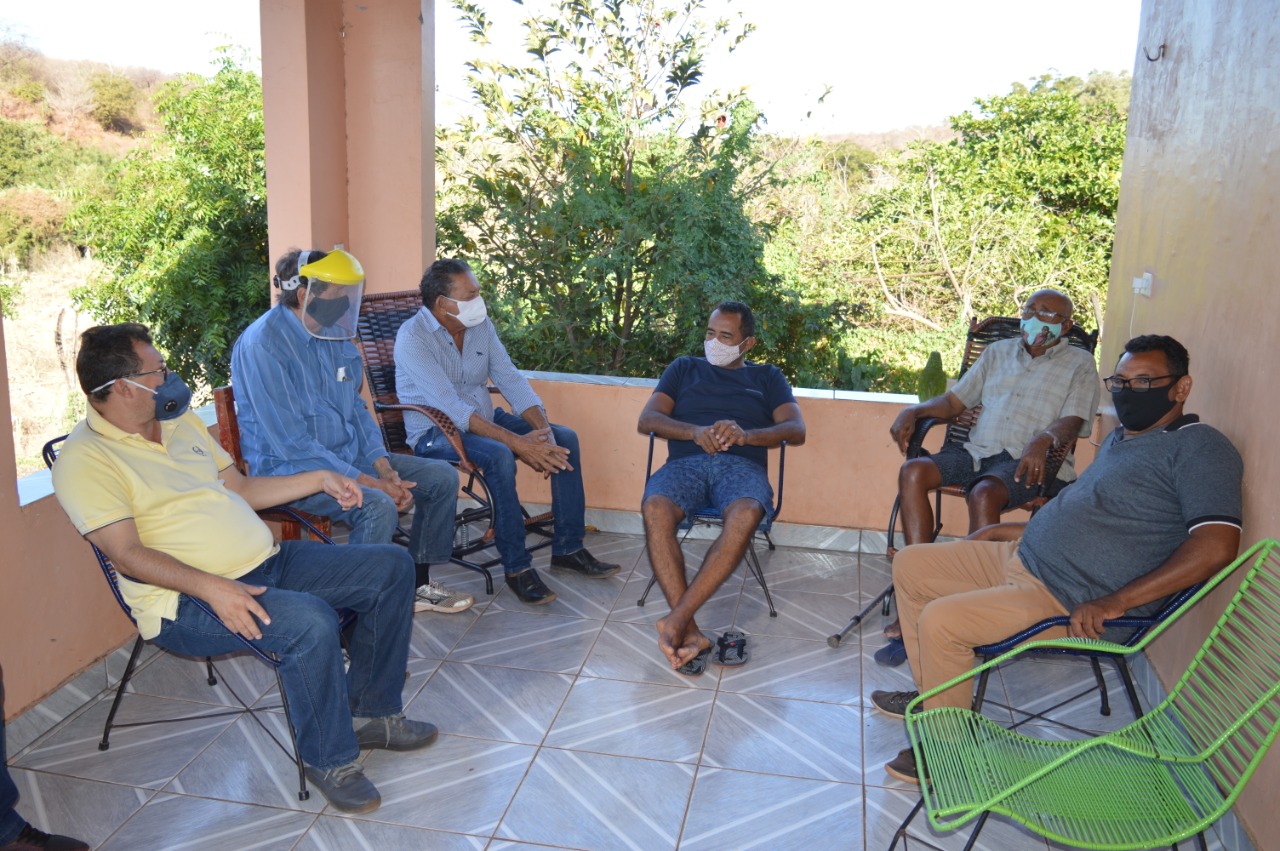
<point>889,65</point>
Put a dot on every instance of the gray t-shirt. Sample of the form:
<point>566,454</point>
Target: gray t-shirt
<point>1131,508</point>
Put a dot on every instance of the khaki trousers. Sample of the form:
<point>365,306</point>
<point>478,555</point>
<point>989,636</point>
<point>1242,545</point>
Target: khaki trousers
<point>956,596</point>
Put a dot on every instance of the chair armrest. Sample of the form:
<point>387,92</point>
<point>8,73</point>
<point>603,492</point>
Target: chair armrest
<point>441,421</point>
<point>284,512</point>
<point>915,446</point>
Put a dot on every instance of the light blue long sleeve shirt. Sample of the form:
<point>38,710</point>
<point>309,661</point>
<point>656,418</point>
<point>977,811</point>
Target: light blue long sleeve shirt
<point>431,371</point>
<point>298,401</point>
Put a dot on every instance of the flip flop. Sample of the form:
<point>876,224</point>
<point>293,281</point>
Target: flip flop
<point>892,654</point>
<point>731,649</point>
<point>696,666</point>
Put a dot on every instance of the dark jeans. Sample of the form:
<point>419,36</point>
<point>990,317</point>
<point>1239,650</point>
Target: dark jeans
<point>11,823</point>
<point>306,581</point>
<point>499,466</point>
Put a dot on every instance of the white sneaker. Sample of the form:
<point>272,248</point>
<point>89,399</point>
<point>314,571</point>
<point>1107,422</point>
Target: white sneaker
<point>434,597</point>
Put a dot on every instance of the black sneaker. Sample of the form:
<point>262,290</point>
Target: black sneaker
<point>585,563</point>
<point>394,733</point>
<point>529,587</point>
<point>346,788</point>
<point>893,703</point>
<point>904,767</point>
<point>31,839</point>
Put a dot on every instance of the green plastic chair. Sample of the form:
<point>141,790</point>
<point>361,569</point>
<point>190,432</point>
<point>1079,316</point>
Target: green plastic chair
<point>1163,778</point>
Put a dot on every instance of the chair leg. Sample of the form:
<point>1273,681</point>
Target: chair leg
<point>980,694</point>
<point>977,828</point>
<point>769,541</point>
<point>893,526</point>
<point>937,515</point>
<point>901,832</point>
<point>1105,708</point>
<point>120,689</point>
<point>753,562</point>
<point>303,793</point>
<point>211,676</point>
<point>1129,687</point>
<point>653,580</point>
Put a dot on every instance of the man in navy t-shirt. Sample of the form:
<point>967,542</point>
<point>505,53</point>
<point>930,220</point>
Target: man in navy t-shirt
<point>720,416</point>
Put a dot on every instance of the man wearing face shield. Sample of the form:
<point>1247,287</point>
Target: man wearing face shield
<point>445,356</point>
<point>720,416</point>
<point>1037,392</point>
<point>1157,511</point>
<point>297,378</point>
<point>144,481</point>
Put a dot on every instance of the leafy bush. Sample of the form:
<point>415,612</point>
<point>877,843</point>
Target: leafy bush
<point>30,220</point>
<point>32,156</point>
<point>114,101</point>
<point>184,238</point>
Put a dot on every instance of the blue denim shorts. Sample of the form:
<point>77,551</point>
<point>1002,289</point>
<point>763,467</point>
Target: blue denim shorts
<point>956,466</point>
<point>711,481</point>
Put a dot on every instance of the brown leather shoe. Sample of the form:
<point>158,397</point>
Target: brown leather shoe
<point>31,839</point>
<point>903,767</point>
<point>585,563</point>
<point>530,588</point>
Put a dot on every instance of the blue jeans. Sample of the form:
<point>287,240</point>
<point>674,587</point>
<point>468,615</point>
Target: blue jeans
<point>435,502</point>
<point>305,582</point>
<point>499,466</point>
<point>11,823</point>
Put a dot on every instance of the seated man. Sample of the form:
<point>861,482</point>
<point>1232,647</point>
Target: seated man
<point>297,379</point>
<point>1037,392</point>
<point>719,415</point>
<point>142,479</point>
<point>445,356</point>
<point>16,833</point>
<point>1157,511</point>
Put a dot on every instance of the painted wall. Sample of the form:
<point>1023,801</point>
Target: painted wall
<point>1199,205</point>
<point>57,616</point>
<point>349,94</point>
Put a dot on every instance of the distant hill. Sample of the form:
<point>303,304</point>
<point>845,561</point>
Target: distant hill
<point>895,139</point>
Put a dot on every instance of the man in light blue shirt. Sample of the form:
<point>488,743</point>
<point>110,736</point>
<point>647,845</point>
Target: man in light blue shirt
<point>445,356</point>
<point>297,378</point>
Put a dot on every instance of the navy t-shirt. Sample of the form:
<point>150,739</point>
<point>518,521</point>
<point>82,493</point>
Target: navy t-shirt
<point>705,394</point>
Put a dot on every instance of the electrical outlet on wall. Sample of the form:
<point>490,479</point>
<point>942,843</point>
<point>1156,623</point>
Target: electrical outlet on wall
<point>1142,286</point>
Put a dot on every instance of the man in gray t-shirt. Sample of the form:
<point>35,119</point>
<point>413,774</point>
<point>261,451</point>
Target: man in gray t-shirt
<point>1158,510</point>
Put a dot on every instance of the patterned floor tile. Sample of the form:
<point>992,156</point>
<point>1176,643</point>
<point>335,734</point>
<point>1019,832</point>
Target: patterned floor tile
<point>436,633</point>
<point>792,667</point>
<point>587,800</point>
<point>717,614</point>
<point>343,834</point>
<point>1036,685</point>
<point>797,738</point>
<point>148,756</point>
<point>886,808</point>
<point>178,823</point>
<point>185,678</point>
<point>576,595</point>
<point>801,614</point>
<point>629,651</point>
<point>633,719</point>
<point>458,784</point>
<point>507,704</point>
<point>739,810</point>
<point>245,765</point>
<point>809,570</point>
<point>85,809</point>
<point>522,640</point>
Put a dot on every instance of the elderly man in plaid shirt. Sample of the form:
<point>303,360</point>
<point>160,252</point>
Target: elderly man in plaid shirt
<point>1037,392</point>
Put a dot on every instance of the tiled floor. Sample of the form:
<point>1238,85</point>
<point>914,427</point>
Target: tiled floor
<point>560,726</point>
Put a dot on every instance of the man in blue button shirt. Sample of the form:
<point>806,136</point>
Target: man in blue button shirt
<point>445,356</point>
<point>297,378</point>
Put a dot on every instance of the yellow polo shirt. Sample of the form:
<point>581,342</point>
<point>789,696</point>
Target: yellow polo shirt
<point>171,490</point>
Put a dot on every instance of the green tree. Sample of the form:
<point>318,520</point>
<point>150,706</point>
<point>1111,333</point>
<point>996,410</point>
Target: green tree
<point>115,100</point>
<point>183,238</point>
<point>606,214</point>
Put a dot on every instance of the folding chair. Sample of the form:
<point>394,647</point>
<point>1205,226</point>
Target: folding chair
<point>712,517</point>
<point>1161,779</point>
<point>981,334</point>
<point>381,315</point>
<point>281,514</point>
<point>224,406</point>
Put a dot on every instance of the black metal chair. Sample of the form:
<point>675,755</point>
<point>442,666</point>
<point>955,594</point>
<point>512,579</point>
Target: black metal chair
<point>712,517</point>
<point>981,334</point>
<point>381,315</point>
<point>281,514</point>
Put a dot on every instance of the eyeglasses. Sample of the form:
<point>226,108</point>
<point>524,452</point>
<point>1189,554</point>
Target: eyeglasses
<point>1043,315</point>
<point>1138,385</point>
<point>162,371</point>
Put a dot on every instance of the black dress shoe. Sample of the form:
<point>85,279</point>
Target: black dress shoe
<point>585,563</point>
<point>529,587</point>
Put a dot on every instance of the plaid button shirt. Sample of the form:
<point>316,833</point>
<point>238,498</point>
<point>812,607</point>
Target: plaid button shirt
<point>1021,396</point>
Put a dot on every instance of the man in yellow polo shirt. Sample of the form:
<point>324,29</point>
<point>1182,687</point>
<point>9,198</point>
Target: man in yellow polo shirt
<point>142,479</point>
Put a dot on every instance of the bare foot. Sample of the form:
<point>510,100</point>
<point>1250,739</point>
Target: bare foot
<point>893,631</point>
<point>680,642</point>
<point>692,647</point>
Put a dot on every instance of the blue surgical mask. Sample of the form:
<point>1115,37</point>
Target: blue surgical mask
<point>173,396</point>
<point>1034,327</point>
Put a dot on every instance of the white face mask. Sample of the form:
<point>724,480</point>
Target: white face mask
<point>471,312</point>
<point>721,354</point>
